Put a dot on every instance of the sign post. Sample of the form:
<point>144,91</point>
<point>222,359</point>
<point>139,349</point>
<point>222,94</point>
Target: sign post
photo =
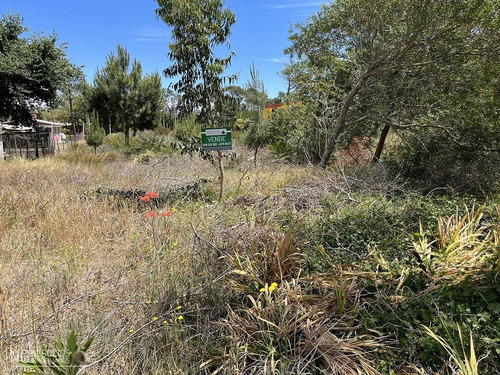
<point>216,139</point>
<point>1,143</point>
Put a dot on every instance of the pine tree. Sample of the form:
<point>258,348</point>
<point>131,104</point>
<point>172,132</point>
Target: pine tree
<point>95,133</point>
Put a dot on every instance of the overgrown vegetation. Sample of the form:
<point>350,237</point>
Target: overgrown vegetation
<point>389,267</point>
<point>296,270</point>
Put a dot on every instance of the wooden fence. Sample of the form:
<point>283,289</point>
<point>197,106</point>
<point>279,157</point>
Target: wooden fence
<point>28,145</point>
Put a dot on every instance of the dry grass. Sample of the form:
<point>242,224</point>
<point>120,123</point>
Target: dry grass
<point>69,260</point>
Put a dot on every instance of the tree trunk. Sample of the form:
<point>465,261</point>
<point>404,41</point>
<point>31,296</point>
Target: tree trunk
<point>381,143</point>
<point>255,152</point>
<point>72,113</point>
<point>221,169</point>
<point>127,136</point>
<point>330,146</point>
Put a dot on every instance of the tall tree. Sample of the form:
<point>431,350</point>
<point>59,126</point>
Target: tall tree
<point>31,68</point>
<point>397,64</point>
<point>198,27</point>
<point>124,98</point>
<point>75,85</point>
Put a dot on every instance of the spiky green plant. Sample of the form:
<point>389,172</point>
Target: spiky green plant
<point>468,364</point>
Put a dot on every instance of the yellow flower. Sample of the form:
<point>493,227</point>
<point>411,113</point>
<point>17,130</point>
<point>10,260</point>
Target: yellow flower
<point>149,302</point>
<point>273,286</point>
<point>262,289</point>
<point>155,318</point>
<point>131,330</point>
<point>179,307</point>
<point>180,317</point>
<point>164,322</point>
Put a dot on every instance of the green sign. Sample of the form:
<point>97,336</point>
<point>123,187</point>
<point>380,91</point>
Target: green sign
<point>213,139</point>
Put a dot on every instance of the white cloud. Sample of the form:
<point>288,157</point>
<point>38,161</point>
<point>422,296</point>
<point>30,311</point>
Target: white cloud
<point>152,34</point>
<point>273,59</point>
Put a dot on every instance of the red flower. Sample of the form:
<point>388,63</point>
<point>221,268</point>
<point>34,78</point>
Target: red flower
<point>149,195</point>
<point>152,214</point>
<point>152,195</point>
<point>166,214</point>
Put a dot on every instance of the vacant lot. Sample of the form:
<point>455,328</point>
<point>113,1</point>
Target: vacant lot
<point>296,271</point>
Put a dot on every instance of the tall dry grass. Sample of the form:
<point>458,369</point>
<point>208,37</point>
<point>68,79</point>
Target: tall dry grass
<point>207,287</point>
<point>71,260</point>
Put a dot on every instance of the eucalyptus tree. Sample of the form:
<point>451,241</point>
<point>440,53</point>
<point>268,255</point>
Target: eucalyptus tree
<point>401,64</point>
<point>75,86</point>
<point>198,27</point>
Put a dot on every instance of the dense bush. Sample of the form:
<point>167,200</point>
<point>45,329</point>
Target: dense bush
<point>147,142</point>
<point>465,157</point>
<point>292,134</point>
<point>187,129</point>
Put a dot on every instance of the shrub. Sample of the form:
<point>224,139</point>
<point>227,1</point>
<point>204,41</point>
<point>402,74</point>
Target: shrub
<point>95,133</point>
<point>187,129</point>
<point>153,143</point>
<point>432,160</point>
<point>347,231</point>
<point>117,141</point>
<point>291,134</point>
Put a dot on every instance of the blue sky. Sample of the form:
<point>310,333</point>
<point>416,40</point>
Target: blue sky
<point>93,28</point>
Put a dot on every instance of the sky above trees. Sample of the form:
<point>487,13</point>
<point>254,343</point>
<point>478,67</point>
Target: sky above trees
<point>93,28</point>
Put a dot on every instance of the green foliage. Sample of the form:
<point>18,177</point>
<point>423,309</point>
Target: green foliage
<point>432,159</point>
<point>124,98</point>
<point>387,223</point>
<point>95,133</point>
<point>450,290</point>
<point>408,65</point>
<point>474,306</point>
<point>187,128</point>
<point>198,27</point>
<point>116,141</point>
<point>63,359</point>
<point>468,364</point>
<point>32,69</point>
<point>292,134</point>
<point>145,157</point>
<point>153,143</point>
